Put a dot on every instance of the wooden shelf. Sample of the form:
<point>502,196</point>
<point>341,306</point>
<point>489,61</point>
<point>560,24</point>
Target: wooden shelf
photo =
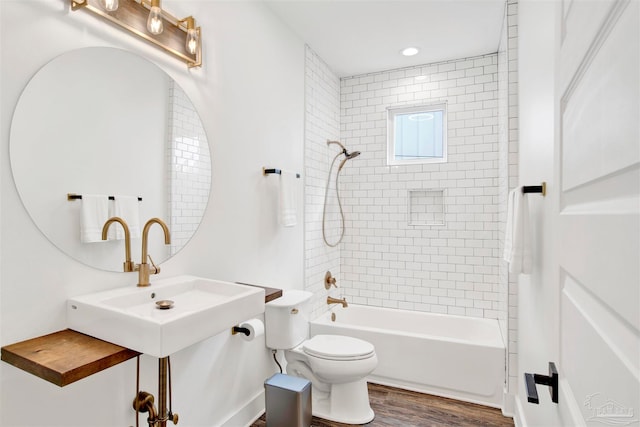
<point>64,357</point>
<point>269,293</point>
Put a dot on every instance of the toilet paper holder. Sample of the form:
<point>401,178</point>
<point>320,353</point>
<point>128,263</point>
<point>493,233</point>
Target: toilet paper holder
<point>240,330</point>
<point>249,330</point>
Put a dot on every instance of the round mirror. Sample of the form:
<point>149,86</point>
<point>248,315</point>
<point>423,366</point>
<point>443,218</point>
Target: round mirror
<point>103,121</point>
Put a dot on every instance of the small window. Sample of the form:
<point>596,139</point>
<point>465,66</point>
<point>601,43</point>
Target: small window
<point>417,134</point>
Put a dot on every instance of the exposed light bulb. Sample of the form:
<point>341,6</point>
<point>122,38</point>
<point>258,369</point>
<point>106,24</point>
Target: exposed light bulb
<point>192,36</point>
<point>154,21</point>
<point>109,5</point>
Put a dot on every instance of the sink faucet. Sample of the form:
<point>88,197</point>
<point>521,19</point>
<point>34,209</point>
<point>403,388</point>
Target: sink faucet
<point>343,301</point>
<point>128,264</point>
<point>144,270</point>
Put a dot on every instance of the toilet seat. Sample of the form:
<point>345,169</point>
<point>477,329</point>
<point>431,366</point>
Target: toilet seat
<point>338,347</point>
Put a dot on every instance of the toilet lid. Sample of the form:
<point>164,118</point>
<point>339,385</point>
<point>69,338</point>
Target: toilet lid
<point>338,347</point>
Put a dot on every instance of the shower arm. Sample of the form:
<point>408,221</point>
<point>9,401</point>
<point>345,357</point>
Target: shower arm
<point>329,142</point>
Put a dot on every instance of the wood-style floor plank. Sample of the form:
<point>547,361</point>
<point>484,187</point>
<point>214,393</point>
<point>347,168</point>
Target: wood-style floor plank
<point>402,408</point>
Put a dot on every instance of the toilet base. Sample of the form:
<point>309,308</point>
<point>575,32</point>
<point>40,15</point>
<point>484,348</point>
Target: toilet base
<point>347,403</point>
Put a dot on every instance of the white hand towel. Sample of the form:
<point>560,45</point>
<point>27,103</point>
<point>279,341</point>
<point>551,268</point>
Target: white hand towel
<point>288,199</point>
<point>127,208</point>
<point>93,214</point>
<point>517,239</point>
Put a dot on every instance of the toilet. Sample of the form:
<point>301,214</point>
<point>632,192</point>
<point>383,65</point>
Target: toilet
<point>336,365</point>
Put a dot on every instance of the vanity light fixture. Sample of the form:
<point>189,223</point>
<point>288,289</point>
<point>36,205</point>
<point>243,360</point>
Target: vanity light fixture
<point>146,19</point>
<point>109,5</point>
<point>154,20</point>
<point>193,39</point>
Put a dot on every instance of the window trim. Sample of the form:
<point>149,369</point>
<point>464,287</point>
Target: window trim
<point>392,112</point>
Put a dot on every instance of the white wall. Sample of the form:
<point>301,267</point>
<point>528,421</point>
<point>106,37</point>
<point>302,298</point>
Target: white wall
<point>250,95</point>
<point>537,317</point>
<point>386,262</point>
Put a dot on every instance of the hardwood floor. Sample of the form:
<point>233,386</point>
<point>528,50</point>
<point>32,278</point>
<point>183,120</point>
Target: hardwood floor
<point>402,408</point>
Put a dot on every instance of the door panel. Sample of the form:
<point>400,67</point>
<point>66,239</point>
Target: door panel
<point>598,237</point>
<point>600,251</point>
<point>599,353</point>
<point>581,20</point>
<point>599,118</point>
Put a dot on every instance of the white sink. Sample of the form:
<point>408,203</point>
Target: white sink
<point>130,317</point>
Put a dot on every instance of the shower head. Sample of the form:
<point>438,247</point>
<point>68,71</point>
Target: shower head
<point>344,150</point>
<point>347,156</point>
<point>351,155</point>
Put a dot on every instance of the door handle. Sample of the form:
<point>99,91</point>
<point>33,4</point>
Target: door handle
<point>550,380</point>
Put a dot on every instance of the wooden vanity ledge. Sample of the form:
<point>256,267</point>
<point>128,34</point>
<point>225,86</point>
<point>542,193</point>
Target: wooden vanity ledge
<point>269,293</point>
<point>65,356</point>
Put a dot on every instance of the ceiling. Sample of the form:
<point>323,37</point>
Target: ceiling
<point>363,36</point>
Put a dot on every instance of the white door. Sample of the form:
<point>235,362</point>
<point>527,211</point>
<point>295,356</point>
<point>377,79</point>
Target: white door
<point>598,176</point>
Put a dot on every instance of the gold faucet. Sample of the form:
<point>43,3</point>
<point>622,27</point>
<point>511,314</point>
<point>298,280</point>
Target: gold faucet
<point>128,265</point>
<point>144,270</point>
<point>343,301</point>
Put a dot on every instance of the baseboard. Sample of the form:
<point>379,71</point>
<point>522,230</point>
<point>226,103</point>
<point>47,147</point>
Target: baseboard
<point>508,405</point>
<point>518,419</point>
<point>248,414</point>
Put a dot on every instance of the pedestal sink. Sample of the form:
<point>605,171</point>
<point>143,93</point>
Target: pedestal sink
<point>167,316</point>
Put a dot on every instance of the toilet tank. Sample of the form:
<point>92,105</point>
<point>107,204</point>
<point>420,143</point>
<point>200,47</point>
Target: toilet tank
<point>287,319</point>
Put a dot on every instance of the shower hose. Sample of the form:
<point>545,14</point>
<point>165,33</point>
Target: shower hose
<point>324,209</point>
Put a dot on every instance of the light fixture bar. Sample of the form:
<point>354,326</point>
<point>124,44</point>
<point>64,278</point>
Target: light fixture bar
<point>131,16</point>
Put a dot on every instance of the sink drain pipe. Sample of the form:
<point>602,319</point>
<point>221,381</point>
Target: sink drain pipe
<point>144,402</point>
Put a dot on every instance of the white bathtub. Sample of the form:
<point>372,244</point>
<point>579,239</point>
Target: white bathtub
<point>452,356</point>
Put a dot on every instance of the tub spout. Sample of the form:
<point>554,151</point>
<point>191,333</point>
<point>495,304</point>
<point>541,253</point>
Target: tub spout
<point>343,301</point>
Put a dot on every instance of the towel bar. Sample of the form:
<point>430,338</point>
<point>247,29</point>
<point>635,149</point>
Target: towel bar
<point>266,171</point>
<point>71,196</point>
<point>535,189</point>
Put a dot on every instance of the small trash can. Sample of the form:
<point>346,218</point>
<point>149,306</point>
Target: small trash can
<point>288,401</point>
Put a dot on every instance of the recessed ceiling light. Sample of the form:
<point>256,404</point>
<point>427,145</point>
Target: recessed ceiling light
<point>410,51</point>
<point>421,78</point>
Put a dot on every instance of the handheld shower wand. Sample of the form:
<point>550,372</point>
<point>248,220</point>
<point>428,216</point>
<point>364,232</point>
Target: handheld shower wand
<point>347,156</point>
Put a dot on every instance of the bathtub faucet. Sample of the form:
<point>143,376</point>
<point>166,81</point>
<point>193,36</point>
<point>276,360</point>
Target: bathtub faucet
<point>343,301</point>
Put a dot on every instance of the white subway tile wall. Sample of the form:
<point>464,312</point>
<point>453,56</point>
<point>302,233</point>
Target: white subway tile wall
<point>451,268</point>
<point>508,165</point>
<point>322,123</point>
<point>189,165</point>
